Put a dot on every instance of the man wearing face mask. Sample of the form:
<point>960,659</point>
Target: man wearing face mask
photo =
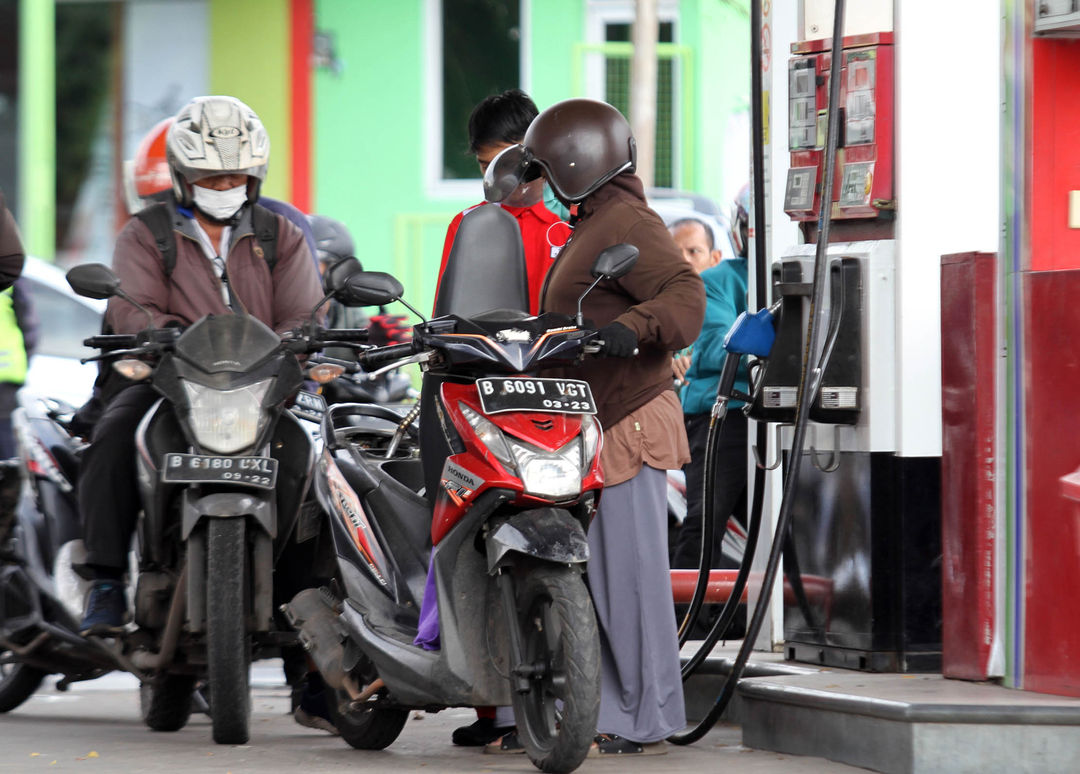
<point>496,123</point>
<point>217,151</point>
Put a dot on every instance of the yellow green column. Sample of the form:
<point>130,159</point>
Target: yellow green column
<point>37,127</point>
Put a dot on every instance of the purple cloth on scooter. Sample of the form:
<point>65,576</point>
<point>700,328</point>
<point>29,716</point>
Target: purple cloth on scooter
<point>427,632</point>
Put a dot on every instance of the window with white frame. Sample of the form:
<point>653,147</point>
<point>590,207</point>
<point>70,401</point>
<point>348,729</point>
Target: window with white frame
<point>607,73</point>
<point>475,50</point>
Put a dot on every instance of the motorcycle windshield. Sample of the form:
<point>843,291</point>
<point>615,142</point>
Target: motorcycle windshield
<point>229,342</point>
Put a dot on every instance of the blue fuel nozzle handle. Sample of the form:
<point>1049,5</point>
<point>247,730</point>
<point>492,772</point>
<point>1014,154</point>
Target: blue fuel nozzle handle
<point>751,334</point>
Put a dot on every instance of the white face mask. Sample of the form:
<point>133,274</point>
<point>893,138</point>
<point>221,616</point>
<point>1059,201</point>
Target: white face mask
<point>220,205</point>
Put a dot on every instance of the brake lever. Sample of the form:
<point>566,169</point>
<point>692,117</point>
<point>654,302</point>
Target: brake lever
<point>144,350</point>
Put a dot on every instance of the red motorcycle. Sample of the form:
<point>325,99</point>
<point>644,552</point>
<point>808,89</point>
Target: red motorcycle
<point>468,591</point>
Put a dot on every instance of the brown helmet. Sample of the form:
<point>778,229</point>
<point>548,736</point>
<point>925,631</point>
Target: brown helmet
<point>580,144</point>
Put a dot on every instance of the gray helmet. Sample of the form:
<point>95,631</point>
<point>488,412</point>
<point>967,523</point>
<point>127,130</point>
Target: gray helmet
<point>580,144</point>
<point>332,239</point>
<point>214,136</point>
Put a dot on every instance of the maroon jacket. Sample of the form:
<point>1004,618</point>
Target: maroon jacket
<point>661,299</point>
<point>282,300</point>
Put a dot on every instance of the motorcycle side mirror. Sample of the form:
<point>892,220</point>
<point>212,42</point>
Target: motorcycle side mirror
<point>615,261</point>
<point>612,263</point>
<point>507,171</point>
<point>369,288</point>
<point>94,280</point>
<point>335,276</point>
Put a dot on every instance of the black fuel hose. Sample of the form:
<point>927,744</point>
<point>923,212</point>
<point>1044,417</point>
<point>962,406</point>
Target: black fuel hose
<point>809,378</point>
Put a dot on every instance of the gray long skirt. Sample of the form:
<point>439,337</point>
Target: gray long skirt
<point>641,687</point>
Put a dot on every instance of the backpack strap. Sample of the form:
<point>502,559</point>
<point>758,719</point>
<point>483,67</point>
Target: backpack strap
<point>265,225</point>
<point>158,218</point>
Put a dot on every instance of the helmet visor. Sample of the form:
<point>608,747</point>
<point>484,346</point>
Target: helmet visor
<point>512,167</point>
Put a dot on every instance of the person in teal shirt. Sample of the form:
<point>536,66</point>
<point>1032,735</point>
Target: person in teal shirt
<point>725,292</point>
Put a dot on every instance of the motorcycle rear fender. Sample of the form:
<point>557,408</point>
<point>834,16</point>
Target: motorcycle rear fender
<point>550,534</point>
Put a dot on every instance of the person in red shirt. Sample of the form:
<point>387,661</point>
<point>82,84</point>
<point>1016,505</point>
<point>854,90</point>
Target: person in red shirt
<point>496,123</point>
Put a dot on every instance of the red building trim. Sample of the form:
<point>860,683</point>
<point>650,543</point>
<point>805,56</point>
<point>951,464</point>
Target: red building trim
<point>302,30</point>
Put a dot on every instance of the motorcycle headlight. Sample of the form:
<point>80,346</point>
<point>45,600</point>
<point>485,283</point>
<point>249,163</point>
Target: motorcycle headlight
<point>226,421</point>
<point>489,435</point>
<point>555,475</point>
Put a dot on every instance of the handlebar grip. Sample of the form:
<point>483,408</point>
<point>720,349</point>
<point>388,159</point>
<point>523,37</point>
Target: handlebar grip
<point>374,358</point>
<point>111,341</point>
<point>344,334</point>
<point>597,346</point>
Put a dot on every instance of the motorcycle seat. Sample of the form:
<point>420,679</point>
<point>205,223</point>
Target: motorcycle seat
<point>502,316</point>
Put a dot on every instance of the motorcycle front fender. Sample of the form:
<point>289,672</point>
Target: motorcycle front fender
<point>549,534</point>
<point>261,508</point>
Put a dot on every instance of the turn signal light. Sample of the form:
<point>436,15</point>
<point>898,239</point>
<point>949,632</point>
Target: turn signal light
<point>325,372</point>
<point>135,370</point>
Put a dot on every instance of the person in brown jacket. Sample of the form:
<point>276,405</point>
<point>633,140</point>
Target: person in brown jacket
<point>218,151</point>
<point>586,151</point>
<point>12,255</point>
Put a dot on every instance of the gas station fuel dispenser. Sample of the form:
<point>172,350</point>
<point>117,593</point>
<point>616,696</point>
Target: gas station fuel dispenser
<point>862,559</point>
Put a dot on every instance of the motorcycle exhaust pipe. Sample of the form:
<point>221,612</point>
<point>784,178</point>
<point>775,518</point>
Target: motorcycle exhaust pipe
<point>312,614</point>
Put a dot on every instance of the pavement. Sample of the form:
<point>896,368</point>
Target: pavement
<point>95,726</point>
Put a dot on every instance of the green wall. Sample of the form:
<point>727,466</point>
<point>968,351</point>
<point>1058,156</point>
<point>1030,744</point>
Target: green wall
<point>718,31</point>
<point>554,28</point>
<point>249,59</point>
<point>370,141</point>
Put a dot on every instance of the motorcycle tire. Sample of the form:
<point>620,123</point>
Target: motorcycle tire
<point>165,704</point>
<point>559,631</point>
<point>228,645</point>
<point>370,728</point>
<point>17,684</point>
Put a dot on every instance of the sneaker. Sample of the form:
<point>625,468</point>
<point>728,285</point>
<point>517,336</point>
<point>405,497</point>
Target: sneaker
<point>479,733</point>
<point>105,609</point>
<point>312,710</point>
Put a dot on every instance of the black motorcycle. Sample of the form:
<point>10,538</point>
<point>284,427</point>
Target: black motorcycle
<point>223,467</point>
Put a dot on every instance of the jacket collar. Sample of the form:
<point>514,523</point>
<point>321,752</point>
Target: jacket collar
<point>623,186</point>
<point>183,220</point>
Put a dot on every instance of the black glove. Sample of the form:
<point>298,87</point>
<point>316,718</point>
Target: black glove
<point>619,341</point>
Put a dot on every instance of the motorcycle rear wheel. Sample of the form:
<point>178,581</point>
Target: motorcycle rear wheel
<point>559,634</point>
<point>165,705</point>
<point>228,645</point>
<point>17,684</point>
<point>370,728</point>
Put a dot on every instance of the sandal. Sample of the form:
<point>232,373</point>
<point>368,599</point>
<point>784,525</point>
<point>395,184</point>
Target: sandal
<point>507,744</point>
<point>613,744</point>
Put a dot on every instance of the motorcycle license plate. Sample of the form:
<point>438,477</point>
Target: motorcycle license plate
<point>309,405</point>
<point>259,472</point>
<point>550,396</point>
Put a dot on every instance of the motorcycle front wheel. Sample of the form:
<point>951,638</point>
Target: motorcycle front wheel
<point>562,647</point>
<point>228,645</point>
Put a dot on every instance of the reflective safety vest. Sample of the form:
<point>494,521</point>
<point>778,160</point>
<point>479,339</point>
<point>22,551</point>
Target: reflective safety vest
<point>12,349</point>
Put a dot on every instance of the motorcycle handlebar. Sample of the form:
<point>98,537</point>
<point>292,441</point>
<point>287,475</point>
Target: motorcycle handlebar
<point>375,358</point>
<point>111,341</point>
<point>344,334</point>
